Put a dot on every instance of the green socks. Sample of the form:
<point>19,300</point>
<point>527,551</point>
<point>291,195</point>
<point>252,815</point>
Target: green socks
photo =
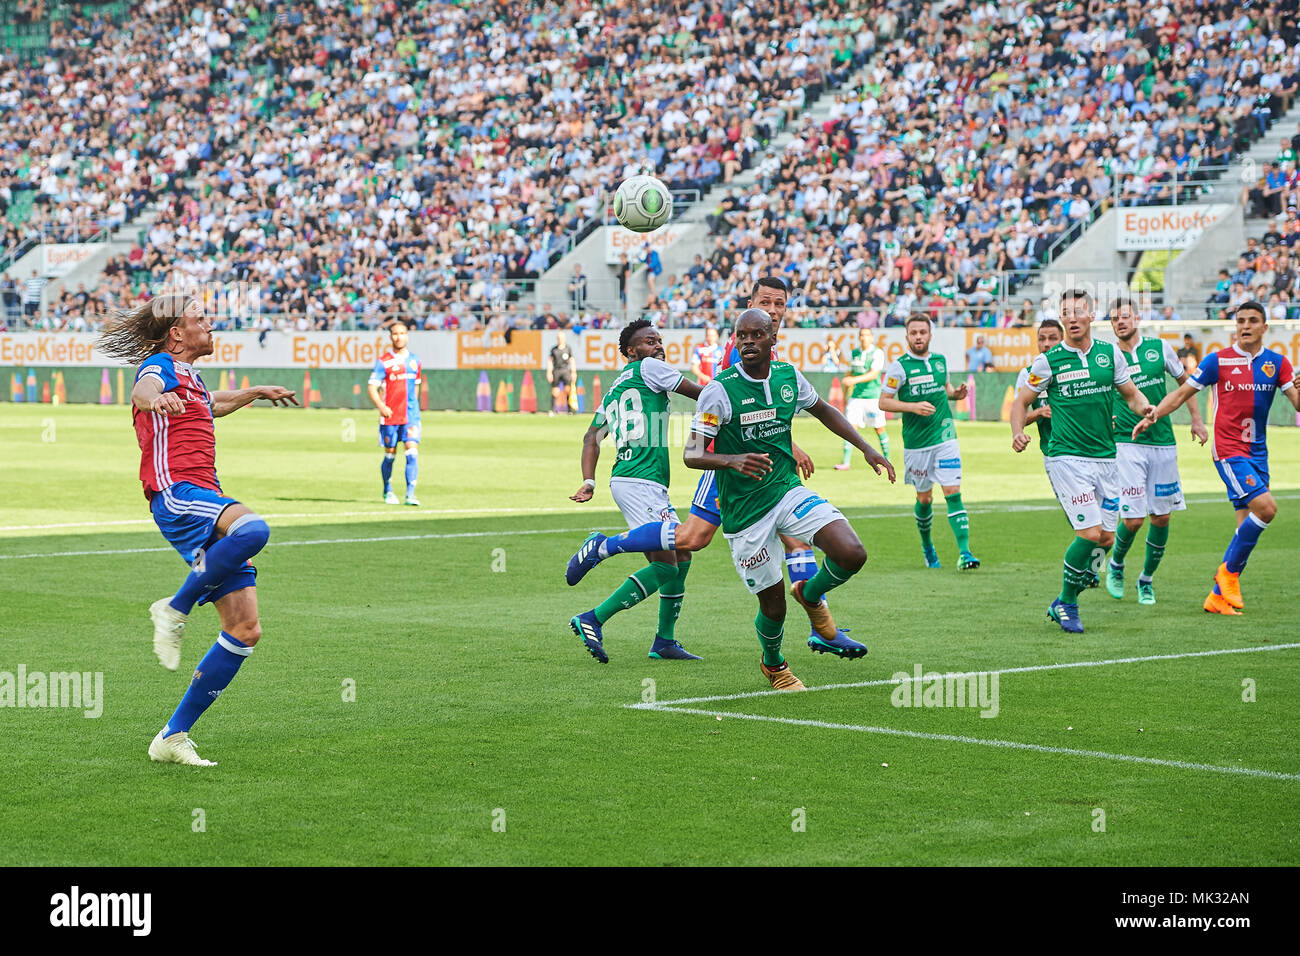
<point>636,589</point>
<point>1157,538</point>
<point>769,635</point>
<point>670,601</point>
<point>1078,562</point>
<point>1123,541</point>
<point>829,575</point>
<point>848,454</point>
<point>924,513</point>
<point>958,521</point>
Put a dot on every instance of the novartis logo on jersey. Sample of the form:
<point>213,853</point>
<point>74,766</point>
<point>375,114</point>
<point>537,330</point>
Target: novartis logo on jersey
<point>1230,386</point>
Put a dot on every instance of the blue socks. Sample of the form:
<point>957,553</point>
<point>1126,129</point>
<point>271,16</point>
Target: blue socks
<point>211,677</point>
<point>247,536</point>
<point>412,469</point>
<point>802,565</point>
<point>654,536</point>
<point>1242,543</point>
<point>386,471</point>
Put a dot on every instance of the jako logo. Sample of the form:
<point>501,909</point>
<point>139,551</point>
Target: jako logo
<point>103,909</point>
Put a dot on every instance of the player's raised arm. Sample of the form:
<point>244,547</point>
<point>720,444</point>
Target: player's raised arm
<point>829,415</point>
<point>223,403</point>
<point>148,396</point>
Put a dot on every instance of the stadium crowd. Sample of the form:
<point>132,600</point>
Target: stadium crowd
<point>368,159</point>
<point>984,135</point>
<point>356,161</point>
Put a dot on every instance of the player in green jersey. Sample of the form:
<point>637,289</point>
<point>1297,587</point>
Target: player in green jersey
<point>917,386</point>
<point>1040,413</point>
<point>1148,466</point>
<point>747,411</point>
<point>635,412</point>
<point>866,372</point>
<point>1080,376</point>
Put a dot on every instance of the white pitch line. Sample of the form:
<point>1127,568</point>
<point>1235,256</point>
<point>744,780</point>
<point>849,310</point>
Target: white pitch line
<point>391,513</point>
<point>889,681</point>
<point>293,544</point>
<point>388,513</point>
<point>983,742</point>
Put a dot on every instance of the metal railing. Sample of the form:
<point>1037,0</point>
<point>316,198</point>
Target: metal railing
<point>1181,187</point>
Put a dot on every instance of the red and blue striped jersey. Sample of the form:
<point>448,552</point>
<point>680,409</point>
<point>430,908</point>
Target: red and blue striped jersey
<point>1244,387</point>
<point>400,377</point>
<point>176,448</point>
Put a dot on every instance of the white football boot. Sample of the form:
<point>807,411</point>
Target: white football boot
<point>178,748</point>
<point>168,629</point>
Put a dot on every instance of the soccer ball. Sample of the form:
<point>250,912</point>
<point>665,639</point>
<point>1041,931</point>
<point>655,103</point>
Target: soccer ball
<point>642,204</point>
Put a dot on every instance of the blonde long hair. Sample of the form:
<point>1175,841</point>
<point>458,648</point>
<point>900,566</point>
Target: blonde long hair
<point>135,334</point>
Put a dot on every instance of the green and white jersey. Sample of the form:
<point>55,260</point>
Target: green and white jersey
<point>872,360</point>
<point>1044,424</point>
<point>746,415</point>
<point>915,378</point>
<point>1148,364</point>
<point>635,409</point>
<point>1080,387</point>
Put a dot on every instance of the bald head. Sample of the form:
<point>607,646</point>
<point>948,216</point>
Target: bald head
<point>752,316</point>
<point>755,339</point>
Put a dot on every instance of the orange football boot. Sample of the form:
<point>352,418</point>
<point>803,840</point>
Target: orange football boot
<point>1216,604</point>
<point>1230,585</point>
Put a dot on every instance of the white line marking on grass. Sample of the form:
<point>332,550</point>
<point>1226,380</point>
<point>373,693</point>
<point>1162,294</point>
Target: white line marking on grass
<point>960,739</point>
<point>294,544</point>
<point>404,514</point>
<point>886,682</point>
<point>387,513</point>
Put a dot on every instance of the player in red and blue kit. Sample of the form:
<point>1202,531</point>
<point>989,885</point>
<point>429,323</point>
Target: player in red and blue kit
<point>706,358</point>
<point>173,413</point>
<point>1246,378</point>
<point>398,372</point>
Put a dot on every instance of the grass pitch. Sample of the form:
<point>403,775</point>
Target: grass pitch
<point>482,732</point>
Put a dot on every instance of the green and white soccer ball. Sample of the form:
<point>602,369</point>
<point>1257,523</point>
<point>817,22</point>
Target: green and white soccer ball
<point>642,204</point>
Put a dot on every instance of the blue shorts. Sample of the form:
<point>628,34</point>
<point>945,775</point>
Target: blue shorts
<point>390,436</point>
<point>187,517</point>
<point>705,503</point>
<point>1246,478</point>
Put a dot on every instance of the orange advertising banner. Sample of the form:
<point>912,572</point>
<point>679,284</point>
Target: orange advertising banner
<point>491,350</point>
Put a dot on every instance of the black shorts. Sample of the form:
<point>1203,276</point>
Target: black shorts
<point>561,381</point>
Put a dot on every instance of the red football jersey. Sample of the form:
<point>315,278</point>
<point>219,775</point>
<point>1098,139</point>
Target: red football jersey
<point>176,448</point>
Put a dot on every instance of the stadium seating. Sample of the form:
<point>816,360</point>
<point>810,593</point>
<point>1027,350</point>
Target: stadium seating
<point>433,160</point>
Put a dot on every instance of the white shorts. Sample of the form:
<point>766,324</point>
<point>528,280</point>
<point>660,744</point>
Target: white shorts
<point>936,465</point>
<point>757,551</point>
<point>642,502</point>
<point>865,411</point>
<point>1148,480</point>
<point>1088,490</point>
